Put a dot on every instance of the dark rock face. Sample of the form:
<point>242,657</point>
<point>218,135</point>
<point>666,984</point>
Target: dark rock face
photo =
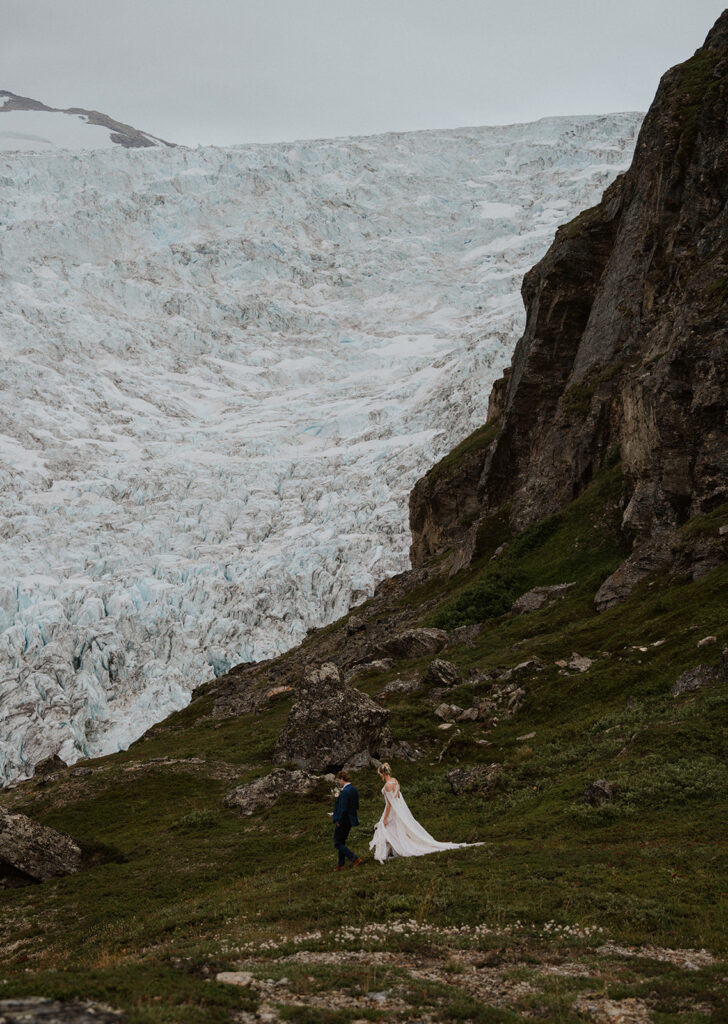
<point>599,792</point>
<point>332,724</point>
<point>32,852</point>
<point>264,792</point>
<point>37,1010</point>
<point>625,352</point>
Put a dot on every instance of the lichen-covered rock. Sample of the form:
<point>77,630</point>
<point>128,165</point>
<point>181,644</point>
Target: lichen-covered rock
<point>416,643</point>
<point>599,792</point>
<point>441,673</point>
<point>34,851</point>
<point>447,712</point>
<point>700,676</point>
<point>536,598</point>
<point>265,791</point>
<point>39,1010</point>
<point>377,665</point>
<point>396,686</point>
<point>332,724</point>
<point>482,779</point>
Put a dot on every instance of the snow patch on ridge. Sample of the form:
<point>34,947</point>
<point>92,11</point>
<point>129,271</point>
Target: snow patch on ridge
<point>223,370</point>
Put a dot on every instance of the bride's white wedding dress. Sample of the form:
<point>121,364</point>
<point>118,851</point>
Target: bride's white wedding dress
<point>403,836</point>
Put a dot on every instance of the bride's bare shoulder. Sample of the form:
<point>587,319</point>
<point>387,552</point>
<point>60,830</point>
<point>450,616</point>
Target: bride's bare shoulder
<point>390,784</point>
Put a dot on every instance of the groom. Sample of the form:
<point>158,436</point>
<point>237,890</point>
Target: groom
<point>345,818</point>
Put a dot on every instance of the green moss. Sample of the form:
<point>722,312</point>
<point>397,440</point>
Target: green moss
<point>717,293</point>
<point>694,86</point>
<point>478,441</point>
<point>578,396</point>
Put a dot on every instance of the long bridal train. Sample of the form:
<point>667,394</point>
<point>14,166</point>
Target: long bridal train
<point>398,833</point>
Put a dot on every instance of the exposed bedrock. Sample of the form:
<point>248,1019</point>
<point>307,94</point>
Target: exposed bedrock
<point>625,351</point>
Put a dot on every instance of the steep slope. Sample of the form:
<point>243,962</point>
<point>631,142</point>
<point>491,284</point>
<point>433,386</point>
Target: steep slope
<point>223,372</point>
<point>29,125</point>
<point>626,342</point>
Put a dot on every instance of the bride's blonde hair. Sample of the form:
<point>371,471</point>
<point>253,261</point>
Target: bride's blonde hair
<point>384,769</point>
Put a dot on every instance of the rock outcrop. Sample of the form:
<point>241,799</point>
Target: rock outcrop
<point>416,643</point>
<point>625,351</point>
<point>701,676</point>
<point>39,1010</point>
<point>483,779</point>
<point>332,724</point>
<point>31,852</point>
<point>264,792</point>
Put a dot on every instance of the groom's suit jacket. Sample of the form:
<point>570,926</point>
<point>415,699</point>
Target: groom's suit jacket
<point>346,806</point>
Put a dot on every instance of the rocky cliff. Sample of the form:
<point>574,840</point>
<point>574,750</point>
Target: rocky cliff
<point>625,348</point>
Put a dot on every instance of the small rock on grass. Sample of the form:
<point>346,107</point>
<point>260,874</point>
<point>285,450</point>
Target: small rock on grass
<point>441,673</point>
<point>707,640</point>
<point>241,978</point>
<point>599,792</point>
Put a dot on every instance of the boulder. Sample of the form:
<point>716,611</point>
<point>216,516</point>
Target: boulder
<point>355,625</point>
<point>441,673</point>
<point>529,666</point>
<point>576,663</point>
<point>332,724</point>
<point>694,679</point>
<point>416,643</point>
<point>378,665</point>
<point>265,791</point>
<point>31,852</point>
<point>481,779</point>
<point>599,792</point>
<point>399,686</point>
<point>469,715</point>
<point>39,1010</point>
<point>448,712</point>
<point>700,676</point>
<point>536,598</point>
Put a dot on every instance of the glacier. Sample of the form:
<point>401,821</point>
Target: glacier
<point>222,372</point>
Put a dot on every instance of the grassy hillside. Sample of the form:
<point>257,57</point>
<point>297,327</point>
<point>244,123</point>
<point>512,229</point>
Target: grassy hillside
<point>556,917</point>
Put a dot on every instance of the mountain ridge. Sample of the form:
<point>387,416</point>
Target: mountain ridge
<point>119,133</point>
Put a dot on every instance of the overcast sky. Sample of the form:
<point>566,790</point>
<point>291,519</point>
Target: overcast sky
<point>233,71</point>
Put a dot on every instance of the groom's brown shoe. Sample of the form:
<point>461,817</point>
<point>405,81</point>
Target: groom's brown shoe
<point>357,862</point>
<point>340,867</point>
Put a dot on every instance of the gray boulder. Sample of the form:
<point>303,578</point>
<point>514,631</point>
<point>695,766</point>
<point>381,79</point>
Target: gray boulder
<point>39,1010</point>
<point>396,686</point>
<point>33,852</point>
<point>416,643</point>
<point>448,712</point>
<point>482,779</point>
<point>378,665</point>
<point>534,599</point>
<point>264,792</point>
<point>441,673</point>
<point>599,792</point>
<point>700,676</point>
<point>332,724</point>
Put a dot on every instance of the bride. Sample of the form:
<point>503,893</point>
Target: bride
<point>398,833</point>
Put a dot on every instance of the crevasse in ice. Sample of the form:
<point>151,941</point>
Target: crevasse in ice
<point>222,372</point>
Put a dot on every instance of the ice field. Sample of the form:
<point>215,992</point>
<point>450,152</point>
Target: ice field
<point>221,371</point>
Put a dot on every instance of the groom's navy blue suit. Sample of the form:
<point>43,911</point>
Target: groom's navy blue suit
<point>345,818</point>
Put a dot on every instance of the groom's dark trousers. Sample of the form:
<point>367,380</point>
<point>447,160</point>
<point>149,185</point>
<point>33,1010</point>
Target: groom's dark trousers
<point>345,817</point>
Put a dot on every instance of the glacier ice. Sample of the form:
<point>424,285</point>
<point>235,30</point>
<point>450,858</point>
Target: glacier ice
<point>222,372</point>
